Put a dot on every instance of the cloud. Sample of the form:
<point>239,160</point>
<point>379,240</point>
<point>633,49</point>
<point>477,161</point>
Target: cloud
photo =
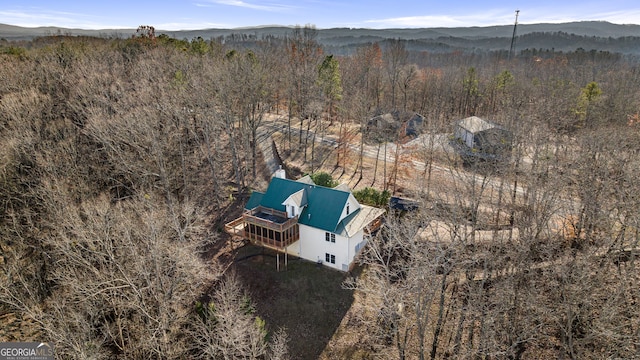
<point>38,17</point>
<point>507,17</point>
<point>13,15</point>
<point>563,14</point>
<point>247,5</point>
<point>618,17</point>
<point>424,21</point>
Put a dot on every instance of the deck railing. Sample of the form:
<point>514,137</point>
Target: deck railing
<point>375,225</point>
<point>251,218</point>
<point>235,227</point>
<point>262,209</point>
<point>253,228</point>
<point>272,243</point>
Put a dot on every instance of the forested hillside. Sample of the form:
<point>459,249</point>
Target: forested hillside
<point>561,37</point>
<point>122,158</point>
<point>114,169</point>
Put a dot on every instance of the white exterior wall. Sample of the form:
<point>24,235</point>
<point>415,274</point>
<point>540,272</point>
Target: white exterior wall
<point>293,209</point>
<point>312,246</point>
<point>356,243</point>
<point>468,139</point>
<point>294,249</point>
<point>465,136</point>
<point>353,206</point>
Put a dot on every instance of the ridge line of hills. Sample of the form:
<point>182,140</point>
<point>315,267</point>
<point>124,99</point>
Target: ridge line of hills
<point>587,35</point>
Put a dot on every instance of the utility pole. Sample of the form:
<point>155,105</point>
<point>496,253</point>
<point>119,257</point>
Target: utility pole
<point>513,37</point>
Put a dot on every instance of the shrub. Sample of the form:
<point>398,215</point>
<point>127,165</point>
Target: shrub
<point>371,196</point>
<point>323,179</point>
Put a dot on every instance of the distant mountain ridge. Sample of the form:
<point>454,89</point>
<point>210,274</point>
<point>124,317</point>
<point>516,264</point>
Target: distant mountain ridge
<point>484,38</point>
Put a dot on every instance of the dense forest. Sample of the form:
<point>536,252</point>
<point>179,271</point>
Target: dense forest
<point>121,159</point>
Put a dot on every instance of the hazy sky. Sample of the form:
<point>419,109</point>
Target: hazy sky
<point>199,14</point>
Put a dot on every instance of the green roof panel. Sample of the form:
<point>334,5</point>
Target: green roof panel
<point>278,191</point>
<point>324,205</point>
<point>254,200</point>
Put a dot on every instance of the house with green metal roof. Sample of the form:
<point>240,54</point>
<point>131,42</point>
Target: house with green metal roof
<point>300,218</point>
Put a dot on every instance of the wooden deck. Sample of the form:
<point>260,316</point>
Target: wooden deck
<point>374,226</point>
<point>235,228</point>
<point>265,227</point>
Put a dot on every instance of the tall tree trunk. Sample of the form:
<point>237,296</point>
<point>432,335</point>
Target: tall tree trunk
<point>313,147</point>
<point>254,144</point>
<point>360,165</point>
<point>211,161</point>
<point>463,314</point>
<point>384,172</point>
<point>234,154</point>
<point>396,163</point>
<point>440,322</point>
<point>306,138</point>
<point>289,123</point>
<point>375,167</point>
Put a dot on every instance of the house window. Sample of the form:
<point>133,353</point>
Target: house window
<point>347,208</point>
<point>330,237</point>
<point>330,258</point>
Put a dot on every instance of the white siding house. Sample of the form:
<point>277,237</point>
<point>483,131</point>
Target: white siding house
<point>324,225</point>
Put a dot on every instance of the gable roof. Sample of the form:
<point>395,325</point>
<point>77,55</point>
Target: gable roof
<point>358,220</point>
<point>254,200</point>
<point>324,208</point>
<point>343,187</point>
<point>323,205</point>
<point>278,191</point>
<point>474,124</point>
<point>306,179</point>
<point>299,198</point>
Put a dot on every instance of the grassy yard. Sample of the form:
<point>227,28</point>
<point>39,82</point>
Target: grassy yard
<point>305,299</point>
